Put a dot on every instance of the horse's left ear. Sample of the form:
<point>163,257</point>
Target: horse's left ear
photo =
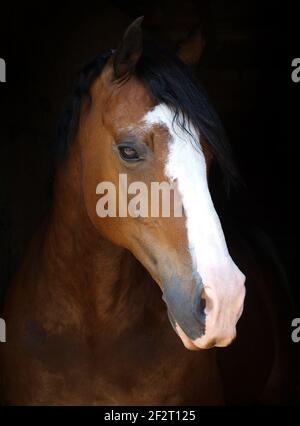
<point>130,49</point>
<point>191,49</point>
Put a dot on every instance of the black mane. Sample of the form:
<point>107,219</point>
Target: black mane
<point>169,81</point>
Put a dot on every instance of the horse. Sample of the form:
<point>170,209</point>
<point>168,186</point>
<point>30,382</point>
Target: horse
<point>139,310</point>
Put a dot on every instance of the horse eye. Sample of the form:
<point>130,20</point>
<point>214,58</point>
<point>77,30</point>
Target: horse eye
<point>128,153</point>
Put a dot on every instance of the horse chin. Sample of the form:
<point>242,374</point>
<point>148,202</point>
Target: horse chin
<point>200,343</point>
<point>188,343</point>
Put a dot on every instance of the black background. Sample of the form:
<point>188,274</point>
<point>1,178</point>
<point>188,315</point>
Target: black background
<point>246,69</point>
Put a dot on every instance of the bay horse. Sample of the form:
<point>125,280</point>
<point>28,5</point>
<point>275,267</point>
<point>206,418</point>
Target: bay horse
<point>139,310</point>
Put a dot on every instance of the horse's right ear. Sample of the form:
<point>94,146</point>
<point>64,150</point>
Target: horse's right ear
<point>129,52</point>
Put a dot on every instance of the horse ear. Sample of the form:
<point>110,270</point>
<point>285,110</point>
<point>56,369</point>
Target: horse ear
<point>130,49</point>
<point>191,49</point>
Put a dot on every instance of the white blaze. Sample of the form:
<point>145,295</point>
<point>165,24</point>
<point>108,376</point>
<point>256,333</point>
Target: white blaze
<point>186,165</point>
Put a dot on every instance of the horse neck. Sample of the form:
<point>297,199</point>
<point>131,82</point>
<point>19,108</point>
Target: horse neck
<point>97,279</point>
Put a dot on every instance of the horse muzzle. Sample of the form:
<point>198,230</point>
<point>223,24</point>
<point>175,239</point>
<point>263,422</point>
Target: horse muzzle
<point>205,315</point>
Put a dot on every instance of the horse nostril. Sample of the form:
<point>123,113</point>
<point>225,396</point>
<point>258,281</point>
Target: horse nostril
<point>202,307</point>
